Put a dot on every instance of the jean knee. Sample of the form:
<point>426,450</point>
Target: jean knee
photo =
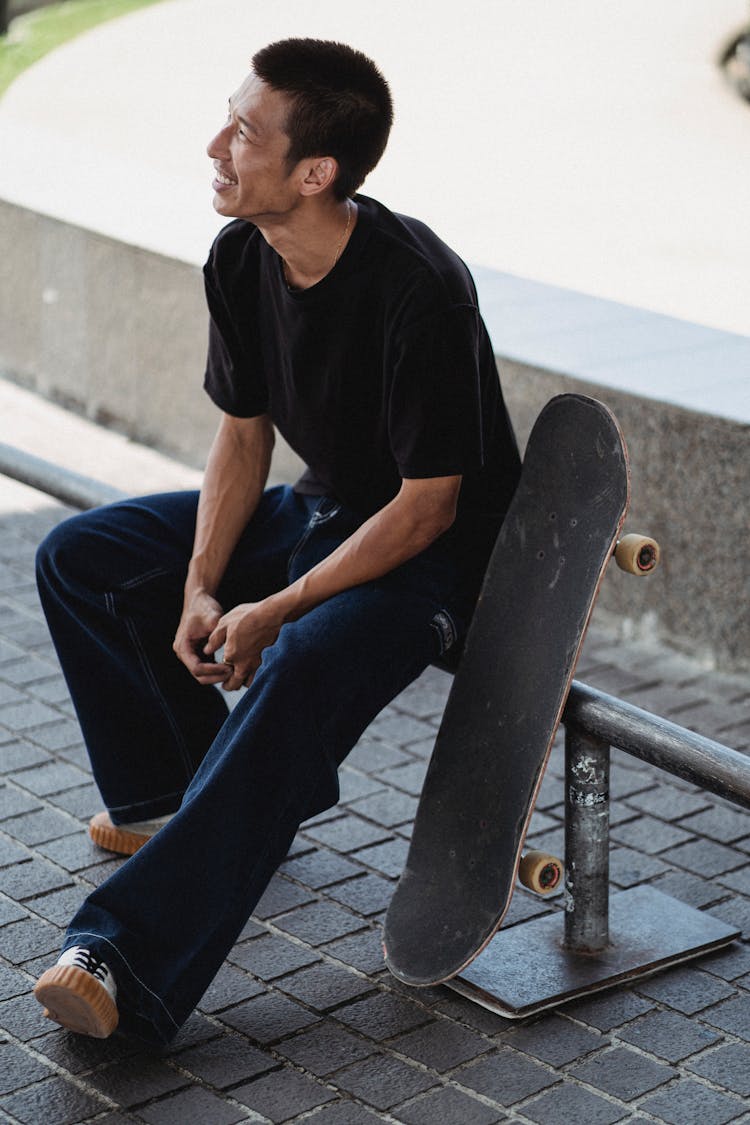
<point>294,659</point>
<point>61,551</point>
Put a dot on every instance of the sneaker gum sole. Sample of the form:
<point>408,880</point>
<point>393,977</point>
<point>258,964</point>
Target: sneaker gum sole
<point>113,838</point>
<point>76,999</point>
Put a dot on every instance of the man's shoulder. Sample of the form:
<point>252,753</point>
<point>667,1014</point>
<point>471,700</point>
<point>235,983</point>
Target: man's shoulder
<point>235,241</point>
<point>231,269</point>
<point>416,250</point>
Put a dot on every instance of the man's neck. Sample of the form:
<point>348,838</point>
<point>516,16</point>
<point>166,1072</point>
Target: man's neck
<point>312,241</point>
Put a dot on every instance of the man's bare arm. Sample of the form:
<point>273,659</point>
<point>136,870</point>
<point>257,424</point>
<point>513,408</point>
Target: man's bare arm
<point>422,510</point>
<point>236,474</point>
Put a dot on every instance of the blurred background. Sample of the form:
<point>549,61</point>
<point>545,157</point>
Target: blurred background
<point>599,146</point>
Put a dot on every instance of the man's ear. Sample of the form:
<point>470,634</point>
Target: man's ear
<point>318,174</point>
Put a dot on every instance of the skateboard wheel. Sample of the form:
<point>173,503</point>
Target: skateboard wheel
<point>540,872</point>
<point>637,554</point>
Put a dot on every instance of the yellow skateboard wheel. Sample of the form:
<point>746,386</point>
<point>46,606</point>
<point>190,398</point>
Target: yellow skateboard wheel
<point>637,554</point>
<point>540,872</point>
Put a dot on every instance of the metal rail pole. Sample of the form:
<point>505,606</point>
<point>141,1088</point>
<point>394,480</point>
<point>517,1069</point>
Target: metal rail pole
<point>586,842</point>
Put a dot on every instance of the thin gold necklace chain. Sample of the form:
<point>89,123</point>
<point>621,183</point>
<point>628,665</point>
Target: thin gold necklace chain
<point>339,248</point>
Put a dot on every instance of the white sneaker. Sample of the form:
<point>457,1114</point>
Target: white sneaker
<point>124,839</point>
<point>80,993</point>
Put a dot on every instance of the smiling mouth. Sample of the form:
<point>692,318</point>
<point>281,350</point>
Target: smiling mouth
<point>222,179</point>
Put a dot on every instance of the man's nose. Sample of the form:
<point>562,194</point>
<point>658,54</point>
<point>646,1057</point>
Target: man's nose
<point>218,146</point>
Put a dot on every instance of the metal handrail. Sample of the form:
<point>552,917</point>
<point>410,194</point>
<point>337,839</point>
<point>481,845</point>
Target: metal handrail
<point>594,722</point>
<point>71,488</point>
<point>670,747</point>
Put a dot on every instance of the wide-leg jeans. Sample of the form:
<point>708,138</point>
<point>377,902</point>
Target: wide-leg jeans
<point>241,781</point>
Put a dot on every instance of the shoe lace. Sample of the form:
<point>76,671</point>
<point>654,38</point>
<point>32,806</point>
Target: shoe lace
<point>88,960</point>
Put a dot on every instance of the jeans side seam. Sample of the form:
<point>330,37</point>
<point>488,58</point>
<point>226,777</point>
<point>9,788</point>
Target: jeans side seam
<point>133,583</point>
<point>100,937</point>
<point>149,673</point>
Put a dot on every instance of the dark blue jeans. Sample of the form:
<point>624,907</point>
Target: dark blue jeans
<point>243,781</point>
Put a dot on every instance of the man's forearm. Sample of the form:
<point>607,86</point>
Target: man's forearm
<point>236,474</point>
<point>421,512</point>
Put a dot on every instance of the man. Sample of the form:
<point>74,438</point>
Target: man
<point>356,333</point>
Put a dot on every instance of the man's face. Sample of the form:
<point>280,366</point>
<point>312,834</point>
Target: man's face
<point>253,180</point>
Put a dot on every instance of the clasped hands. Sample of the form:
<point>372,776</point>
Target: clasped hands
<point>243,633</point>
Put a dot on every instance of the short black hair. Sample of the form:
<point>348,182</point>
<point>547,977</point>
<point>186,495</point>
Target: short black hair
<point>340,104</point>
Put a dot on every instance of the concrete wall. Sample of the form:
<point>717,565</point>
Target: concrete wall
<point>691,490</point>
<point>112,331</point>
<point>119,333</point>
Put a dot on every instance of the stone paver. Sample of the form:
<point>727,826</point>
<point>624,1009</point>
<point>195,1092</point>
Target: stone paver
<point>303,1022</point>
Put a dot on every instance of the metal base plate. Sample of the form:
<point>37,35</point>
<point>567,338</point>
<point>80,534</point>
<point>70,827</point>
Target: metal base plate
<point>525,969</point>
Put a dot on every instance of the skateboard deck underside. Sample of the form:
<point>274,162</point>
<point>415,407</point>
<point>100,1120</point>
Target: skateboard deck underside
<point>509,692</point>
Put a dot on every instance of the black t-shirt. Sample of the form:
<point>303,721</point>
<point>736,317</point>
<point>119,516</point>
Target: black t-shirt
<point>382,370</point>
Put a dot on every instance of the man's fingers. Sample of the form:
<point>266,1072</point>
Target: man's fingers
<point>216,640</point>
<point>242,675</point>
<point>235,679</point>
<point>211,673</point>
<point>204,671</point>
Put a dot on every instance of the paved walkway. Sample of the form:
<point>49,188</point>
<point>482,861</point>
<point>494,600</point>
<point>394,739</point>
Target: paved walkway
<point>303,1022</point>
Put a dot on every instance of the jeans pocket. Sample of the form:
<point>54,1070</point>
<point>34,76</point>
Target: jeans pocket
<point>327,510</point>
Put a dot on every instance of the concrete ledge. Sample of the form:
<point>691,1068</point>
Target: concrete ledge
<point>617,346</point>
<point>681,392</point>
<point>111,331</point>
<point>118,333</point>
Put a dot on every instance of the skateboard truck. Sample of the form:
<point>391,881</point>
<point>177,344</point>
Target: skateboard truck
<point>538,871</point>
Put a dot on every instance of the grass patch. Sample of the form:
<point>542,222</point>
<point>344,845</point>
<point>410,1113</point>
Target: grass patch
<point>32,36</point>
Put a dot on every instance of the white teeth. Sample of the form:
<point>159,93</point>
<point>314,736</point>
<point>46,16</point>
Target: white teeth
<point>224,179</point>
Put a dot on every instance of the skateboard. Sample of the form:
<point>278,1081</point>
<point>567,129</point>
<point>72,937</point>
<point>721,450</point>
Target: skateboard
<point>509,692</point>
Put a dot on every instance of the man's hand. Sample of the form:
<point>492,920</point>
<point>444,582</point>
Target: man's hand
<point>244,632</point>
<point>233,483</point>
<point>200,616</point>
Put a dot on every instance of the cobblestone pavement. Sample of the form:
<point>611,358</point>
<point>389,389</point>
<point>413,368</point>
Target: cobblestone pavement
<point>303,1022</point>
